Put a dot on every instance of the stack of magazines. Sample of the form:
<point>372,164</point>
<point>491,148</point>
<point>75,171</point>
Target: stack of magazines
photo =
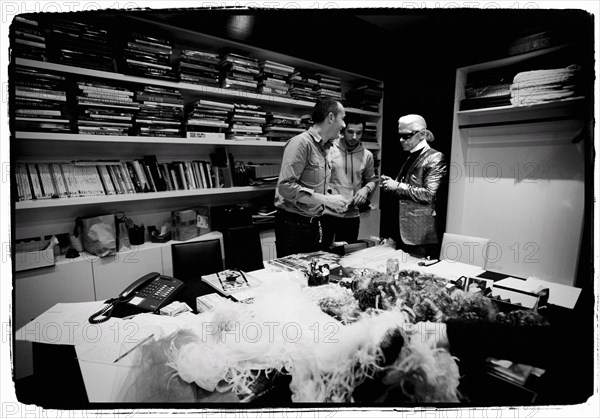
<point>303,86</point>
<point>30,40</point>
<point>207,117</point>
<point>40,101</point>
<point>329,87</point>
<point>239,72</point>
<point>104,109</point>
<point>199,67</point>
<point>246,122</point>
<point>161,112</point>
<point>365,97</point>
<point>149,56</point>
<point>281,126</point>
<point>370,132</point>
<point>80,45</point>
<point>273,78</point>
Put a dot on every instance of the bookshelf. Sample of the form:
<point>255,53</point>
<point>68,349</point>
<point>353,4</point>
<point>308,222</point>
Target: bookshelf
<point>36,147</point>
<point>522,164</point>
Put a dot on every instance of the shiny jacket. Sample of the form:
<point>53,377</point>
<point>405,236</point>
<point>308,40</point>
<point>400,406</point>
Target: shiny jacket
<point>417,203</point>
<point>350,172</point>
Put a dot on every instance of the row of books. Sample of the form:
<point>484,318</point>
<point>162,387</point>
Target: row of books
<point>108,108</point>
<point>96,178</point>
<point>82,44</point>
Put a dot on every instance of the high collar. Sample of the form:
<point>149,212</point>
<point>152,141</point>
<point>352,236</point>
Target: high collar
<point>420,146</point>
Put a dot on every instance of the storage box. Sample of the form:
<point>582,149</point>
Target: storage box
<point>190,223</point>
<point>36,254</point>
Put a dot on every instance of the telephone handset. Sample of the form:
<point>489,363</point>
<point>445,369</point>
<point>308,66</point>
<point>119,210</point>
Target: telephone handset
<point>147,294</point>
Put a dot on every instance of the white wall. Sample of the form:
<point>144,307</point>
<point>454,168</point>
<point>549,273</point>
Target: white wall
<point>524,190</point>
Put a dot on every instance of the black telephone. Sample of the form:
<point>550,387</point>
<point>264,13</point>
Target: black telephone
<point>147,294</point>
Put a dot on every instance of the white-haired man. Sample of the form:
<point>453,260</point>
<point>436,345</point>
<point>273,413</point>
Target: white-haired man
<point>416,187</point>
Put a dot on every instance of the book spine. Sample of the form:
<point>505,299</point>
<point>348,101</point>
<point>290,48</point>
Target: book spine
<point>103,180</point>
<point>141,176</point>
<point>148,174</point>
<point>48,183</point>
<point>183,176</point>
<point>127,177</point>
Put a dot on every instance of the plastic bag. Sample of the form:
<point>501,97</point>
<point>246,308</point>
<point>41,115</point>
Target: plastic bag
<point>98,234</point>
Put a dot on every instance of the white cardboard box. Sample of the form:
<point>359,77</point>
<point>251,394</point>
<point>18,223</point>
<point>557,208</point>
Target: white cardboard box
<point>28,260</point>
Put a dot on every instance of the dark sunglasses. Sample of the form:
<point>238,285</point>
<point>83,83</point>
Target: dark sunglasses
<point>408,135</point>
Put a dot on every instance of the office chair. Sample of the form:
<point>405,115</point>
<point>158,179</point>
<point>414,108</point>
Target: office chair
<point>465,249</point>
<point>191,260</point>
<point>243,248</point>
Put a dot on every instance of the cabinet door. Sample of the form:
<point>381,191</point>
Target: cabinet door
<point>38,290</point>
<point>113,274</point>
<point>267,242</point>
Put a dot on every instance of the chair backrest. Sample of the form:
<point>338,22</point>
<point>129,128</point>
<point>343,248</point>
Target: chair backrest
<point>196,258</point>
<point>243,248</point>
<point>465,249</point>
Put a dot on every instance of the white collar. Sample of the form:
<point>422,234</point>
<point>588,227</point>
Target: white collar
<point>420,146</point>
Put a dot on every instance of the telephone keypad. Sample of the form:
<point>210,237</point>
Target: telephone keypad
<point>156,290</point>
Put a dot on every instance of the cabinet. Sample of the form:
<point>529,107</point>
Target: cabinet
<point>517,174</point>
<point>49,216</point>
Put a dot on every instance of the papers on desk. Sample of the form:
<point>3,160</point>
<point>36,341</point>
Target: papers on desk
<point>560,294</point>
<point>451,270</point>
<point>65,323</point>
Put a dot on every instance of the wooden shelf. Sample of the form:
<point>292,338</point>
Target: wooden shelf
<point>520,114</point>
<point>98,200</point>
<point>191,90</point>
<point>43,136</point>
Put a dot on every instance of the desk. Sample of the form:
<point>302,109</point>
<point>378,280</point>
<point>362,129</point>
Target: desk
<point>90,373</point>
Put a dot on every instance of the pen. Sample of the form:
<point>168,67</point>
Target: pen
<point>134,347</point>
<point>243,276</point>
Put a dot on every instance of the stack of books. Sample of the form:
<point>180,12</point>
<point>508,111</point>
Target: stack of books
<point>246,122</point>
<point>80,45</point>
<point>281,127</point>
<point>149,56</point>
<point>188,175</point>
<point>273,78</point>
<point>207,119</point>
<point>329,87</point>
<point>30,40</point>
<point>303,86</point>
<point>40,101</point>
<point>365,97</point>
<point>161,112</point>
<point>239,72</point>
<point>485,89</point>
<point>370,132</point>
<point>198,67</point>
<point>104,109</point>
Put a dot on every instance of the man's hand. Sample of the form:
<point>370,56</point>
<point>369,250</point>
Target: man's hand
<point>389,185</point>
<point>361,196</point>
<point>337,203</point>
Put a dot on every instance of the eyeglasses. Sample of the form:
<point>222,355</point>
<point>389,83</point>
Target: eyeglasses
<point>408,135</point>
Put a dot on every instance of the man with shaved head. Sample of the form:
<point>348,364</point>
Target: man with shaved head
<point>416,187</point>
